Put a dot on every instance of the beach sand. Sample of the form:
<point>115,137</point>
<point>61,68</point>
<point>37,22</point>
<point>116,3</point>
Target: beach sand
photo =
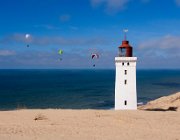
<point>59,124</point>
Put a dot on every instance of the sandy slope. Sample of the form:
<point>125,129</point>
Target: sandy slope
<point>89,125</point>
<point>164,102</point>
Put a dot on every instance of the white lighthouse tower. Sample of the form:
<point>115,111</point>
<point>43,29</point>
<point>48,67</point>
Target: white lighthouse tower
<point>125,84</point>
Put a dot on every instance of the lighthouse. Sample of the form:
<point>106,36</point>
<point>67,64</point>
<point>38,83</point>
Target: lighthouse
<point>125,81</point>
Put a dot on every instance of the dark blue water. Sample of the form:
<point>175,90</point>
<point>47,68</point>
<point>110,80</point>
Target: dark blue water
<point>78,89</point>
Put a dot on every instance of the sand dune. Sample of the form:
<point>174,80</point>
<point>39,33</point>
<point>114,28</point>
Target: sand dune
<point>57,124</point>
<point>164,102</point>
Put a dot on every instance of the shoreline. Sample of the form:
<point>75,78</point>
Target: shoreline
<point>88,124</point>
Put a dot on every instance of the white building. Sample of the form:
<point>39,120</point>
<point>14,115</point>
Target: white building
<point>125,84</point>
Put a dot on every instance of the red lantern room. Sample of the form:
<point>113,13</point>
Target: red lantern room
<point>125,50</point>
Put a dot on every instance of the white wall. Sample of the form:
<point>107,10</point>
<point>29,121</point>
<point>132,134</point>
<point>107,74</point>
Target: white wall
<point>125,91</point>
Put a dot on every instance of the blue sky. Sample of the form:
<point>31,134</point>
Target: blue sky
<point>83,27</point>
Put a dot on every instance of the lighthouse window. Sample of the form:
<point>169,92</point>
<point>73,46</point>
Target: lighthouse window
<point>125,102</point>
<point>125,72</point>
<point>122,52</point>
<point>125,82</point>
<point>128,63</point>
<point>123,63</point>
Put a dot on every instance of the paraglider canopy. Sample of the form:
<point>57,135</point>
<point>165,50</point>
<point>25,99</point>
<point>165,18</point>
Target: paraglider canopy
<point>94,55</point>
<point>27,37</point>
<point>60,52</point>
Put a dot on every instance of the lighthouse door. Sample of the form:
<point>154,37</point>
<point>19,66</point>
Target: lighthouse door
<point>125,102</point>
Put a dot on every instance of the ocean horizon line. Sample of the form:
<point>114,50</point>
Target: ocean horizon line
<point>84,69</point>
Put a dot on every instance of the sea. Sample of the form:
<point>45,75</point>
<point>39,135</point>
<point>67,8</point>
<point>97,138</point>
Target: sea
<point>77,88</point>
